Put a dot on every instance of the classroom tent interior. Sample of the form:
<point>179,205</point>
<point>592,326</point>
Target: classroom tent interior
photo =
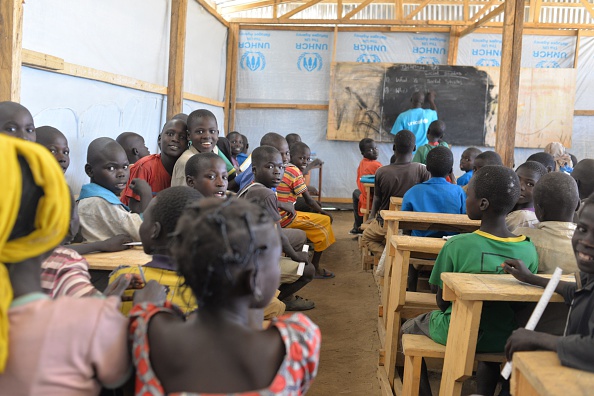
<point>95,69</point>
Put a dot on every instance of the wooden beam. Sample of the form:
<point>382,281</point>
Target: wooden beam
<point>398,10</point>
<point>275,9</point>
<point>418,9</point>
<point>204,99</point>
<point>577,48</point>
<point>484,10</point>
<point>234,32</point>
<point>466,10</point>
<point>589,113</point>
<point>177,48</point>
<point>212,12</point>
<point>588,7</point>
<point>483,20</point>
<point>335,38</point>
<point>537,5</point>
<point>42,61</point>
<point>453,45</point>
<point>11,45</point>
<point>357,9</point>
<point>509,81</point>
<point>282,106</point>
<point>299,9</point>
<point>339,9</point>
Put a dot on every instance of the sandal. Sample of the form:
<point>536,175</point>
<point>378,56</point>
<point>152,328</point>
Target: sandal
<point>299,304</point>
<point>325,275</point>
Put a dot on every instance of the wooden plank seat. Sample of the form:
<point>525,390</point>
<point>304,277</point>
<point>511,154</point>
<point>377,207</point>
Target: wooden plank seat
<point>416,347</point>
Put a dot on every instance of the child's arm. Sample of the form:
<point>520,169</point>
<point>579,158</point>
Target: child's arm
<point>374,207</point>
<point>317,163</point>
<point>441,303</point>
<point>289,251</point>
<point>528,340</point>
<point>141,188</point>
<point>114,244</point>
<point>312,203</point>
<point>519,270</point>
<point>287,207</point>
<point>431,99</point>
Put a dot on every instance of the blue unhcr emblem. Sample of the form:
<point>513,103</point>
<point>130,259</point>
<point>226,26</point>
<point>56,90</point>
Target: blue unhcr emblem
<point>253,61</point>
<point>368,58</point>
<point>309,61</point>
<point>550,64</point>
<point>487,62</point>
<point>428,60</point>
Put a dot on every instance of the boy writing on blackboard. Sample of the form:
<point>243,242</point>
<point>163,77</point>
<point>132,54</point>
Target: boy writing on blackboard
<point>417,119</point>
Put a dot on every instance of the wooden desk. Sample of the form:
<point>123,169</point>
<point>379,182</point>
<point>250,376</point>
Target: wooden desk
<point>467,292</point>
<point>369,191</point>
<point>109,261</point>
<point>403,304</point>
<point>541,374</point>
<point>395,203</point>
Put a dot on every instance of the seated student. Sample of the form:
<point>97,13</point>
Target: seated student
<point>67,346</point>
<point>207,174</point>
<point>545,159</point>
<point>236,142</point>
<point>227,251</point>
<point>435,135</point>
<point>56,143</point>
<point>268,168</point>
<point>492,193</point>
<point>318,225</point>
<point>436,195</point>
<point>156,231</point>
<point>562,159</point>
<point>134,146</point>
<point>583,173</point>
<point>483,159</point>
<point>16,121</point>
<point>156,169</point>
<point>392,180</point>
<point>467,165</point>
<point>368,166</point>
<point>241,157</point>
<point>523,213</point>
<point>101,213</point>
<point>292,138</point>
<point>576,348</point>
<point>203,134</point>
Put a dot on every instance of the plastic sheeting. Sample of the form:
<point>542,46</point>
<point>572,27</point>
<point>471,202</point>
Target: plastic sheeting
<point>584,96</point>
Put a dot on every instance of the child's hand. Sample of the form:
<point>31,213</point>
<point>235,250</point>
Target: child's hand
<point>140,187</point>
<point>152,292</point>
<point>430,96</point>
<point>115,244</point>
<point>518,269</point>
<point>301,257</point>
<point>313,191</point>
<point>287,207</point>
<point>526,340</point>
<point>317,163</point>
<point>327,214</point>
<point>122,283</point>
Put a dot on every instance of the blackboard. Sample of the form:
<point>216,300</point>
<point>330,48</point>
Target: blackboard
<point>365,99</point>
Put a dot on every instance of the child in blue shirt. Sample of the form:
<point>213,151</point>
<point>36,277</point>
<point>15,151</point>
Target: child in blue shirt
<point>436,195</point>
<point>467,165</point>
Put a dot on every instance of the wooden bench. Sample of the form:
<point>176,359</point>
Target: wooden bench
<point>367,260</point>
<point>395,203</point>
<point>367,209</point>
<point>541,373</point>
<point>108,261</point>
<point>417,347</point>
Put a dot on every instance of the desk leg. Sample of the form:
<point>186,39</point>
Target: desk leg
<point>389,263</point>
<point>461,346</point>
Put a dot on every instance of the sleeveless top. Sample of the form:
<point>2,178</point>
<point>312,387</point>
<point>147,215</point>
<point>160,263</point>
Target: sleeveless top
<point>301,337</point>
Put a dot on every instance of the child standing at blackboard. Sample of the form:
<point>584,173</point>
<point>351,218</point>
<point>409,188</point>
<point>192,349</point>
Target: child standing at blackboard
<point>434,136</point>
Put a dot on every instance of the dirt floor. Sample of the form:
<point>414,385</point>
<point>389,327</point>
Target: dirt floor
<point>346,311</point>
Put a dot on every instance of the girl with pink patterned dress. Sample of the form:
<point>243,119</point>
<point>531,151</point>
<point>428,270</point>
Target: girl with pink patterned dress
<point>228,253</point>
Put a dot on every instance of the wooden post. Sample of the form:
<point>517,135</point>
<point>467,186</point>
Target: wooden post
<point>11,44</point>
<point>577,48</point>
<point>453,47</point>
<point>231,85</point>
<point>509,82</point>
<point>177,49</point>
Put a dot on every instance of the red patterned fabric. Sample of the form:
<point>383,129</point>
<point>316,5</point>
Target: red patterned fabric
<point>302,339</point>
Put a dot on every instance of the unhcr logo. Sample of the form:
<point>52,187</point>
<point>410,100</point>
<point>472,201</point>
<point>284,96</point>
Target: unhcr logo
<point>550,64</point>
<point>309,61</point>
<point>427,60</point>
<point>368,58</point>
<point>487,62</point>
<point>253,61</point>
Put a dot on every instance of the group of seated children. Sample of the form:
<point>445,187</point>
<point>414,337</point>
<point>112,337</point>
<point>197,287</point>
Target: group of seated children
<point>222,256</point>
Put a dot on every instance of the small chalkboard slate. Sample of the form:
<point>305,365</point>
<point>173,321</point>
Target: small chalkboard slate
<point>462,94</point>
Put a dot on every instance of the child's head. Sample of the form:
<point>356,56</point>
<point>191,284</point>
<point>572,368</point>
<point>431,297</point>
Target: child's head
<point>492,189</point>
<point>544,158</point>
<point>436,131</point>
<point>368,149</point>
<point>17,121</point>
<point>268,166</point>
<point>278,142</point>
<point>227,252</point>
<point>107,164</point>
<point>174,138</point>
<point>405,142</point>
<point>207,174</point>
<point>583,237</point>
<point>203,130</point>
<point>468,157</point>
<point>236,142</point>
<point>181,116</point>
<point>440,161</point>
<point>487,158</point>
<point>134,146</point>
<point>162,214</point>
<point>556,197</point>
<point>56,143</point>
<point>246,144</point>
<point>292,138</point>
<point>529,174</point>
<point>300,155</point>
<point>583,173</point>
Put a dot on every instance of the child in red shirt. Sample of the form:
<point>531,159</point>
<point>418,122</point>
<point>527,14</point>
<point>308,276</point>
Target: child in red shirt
<point>368,166</point>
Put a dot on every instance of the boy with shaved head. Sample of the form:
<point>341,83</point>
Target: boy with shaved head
<point>56,143</point>
<point>16,121</point>
<point>134,146</point>
<point>101,213</point>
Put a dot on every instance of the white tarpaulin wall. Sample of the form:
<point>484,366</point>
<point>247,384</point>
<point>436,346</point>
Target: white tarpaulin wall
<point>284,67</point>
<point>129,38</point>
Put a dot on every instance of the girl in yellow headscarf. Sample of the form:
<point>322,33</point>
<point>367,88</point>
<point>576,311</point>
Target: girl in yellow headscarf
<point>47,346</point>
